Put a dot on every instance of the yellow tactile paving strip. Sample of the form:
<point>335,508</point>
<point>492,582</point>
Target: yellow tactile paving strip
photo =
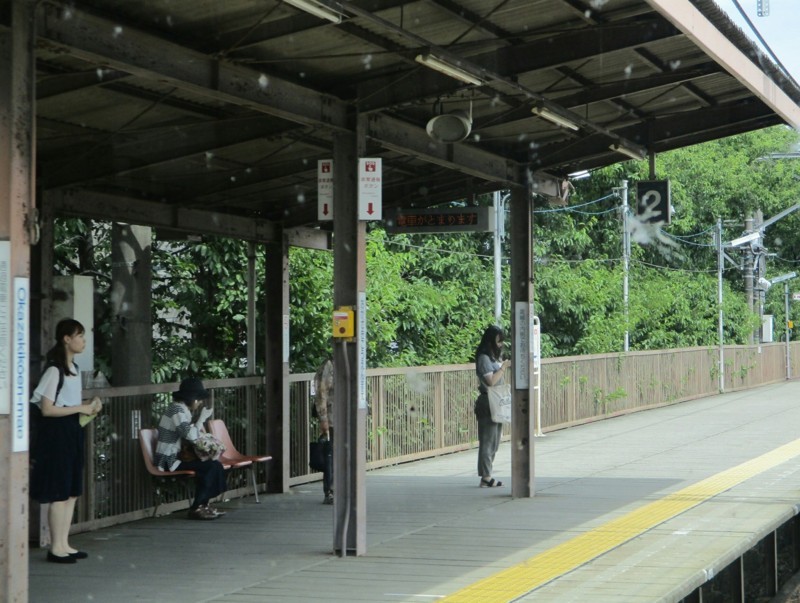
<point>520,579</point>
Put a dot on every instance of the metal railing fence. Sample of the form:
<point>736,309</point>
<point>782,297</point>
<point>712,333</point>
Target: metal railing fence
<point>414,413</point>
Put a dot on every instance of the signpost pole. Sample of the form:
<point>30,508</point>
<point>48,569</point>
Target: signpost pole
<point>786,310</point>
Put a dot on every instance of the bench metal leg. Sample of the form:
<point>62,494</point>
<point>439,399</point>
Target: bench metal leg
<point>255,485</point>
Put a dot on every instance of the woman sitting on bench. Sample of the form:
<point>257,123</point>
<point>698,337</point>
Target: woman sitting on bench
<point>179,429</point>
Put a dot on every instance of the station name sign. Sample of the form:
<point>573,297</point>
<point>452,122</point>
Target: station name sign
<point>451,219</point>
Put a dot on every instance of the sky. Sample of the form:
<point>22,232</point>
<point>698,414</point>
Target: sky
<point>780,30</point>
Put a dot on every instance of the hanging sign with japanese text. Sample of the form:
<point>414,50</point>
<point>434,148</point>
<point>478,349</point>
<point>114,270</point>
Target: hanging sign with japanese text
<point>370,189</point>
<point>440,219</point>
<point>325,189</point>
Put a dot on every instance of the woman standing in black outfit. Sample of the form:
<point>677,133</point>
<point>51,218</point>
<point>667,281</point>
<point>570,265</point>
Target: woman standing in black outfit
<point>58,455</point>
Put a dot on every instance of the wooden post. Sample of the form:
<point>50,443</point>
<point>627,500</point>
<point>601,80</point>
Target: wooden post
<point>522,421</point>
<point>276,369</point>
<point>349,289</point>
<point>18,230</point>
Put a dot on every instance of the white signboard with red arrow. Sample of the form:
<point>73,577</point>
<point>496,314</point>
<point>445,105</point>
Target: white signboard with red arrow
<point>370,187</point>
<point>325,189</point>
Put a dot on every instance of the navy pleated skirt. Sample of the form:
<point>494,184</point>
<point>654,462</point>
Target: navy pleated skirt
<point>57,459</point>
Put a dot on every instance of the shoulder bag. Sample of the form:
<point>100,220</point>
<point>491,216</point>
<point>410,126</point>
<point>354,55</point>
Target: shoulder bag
<point>500,402</point>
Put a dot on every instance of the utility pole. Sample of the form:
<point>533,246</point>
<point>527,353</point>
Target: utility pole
<point>720,330</point>
<point>499,228</point>
<point>626,254</point>
<point>786,324</point>
<point>748,271</point>
<point>759,271</point>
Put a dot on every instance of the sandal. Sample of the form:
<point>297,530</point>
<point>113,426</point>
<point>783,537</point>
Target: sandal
<point>490,483</point>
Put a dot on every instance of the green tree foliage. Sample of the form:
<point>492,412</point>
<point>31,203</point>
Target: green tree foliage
<point>429,297</point>
<point>200,307</point>
<point>672,301</point>
<point>311,307</point>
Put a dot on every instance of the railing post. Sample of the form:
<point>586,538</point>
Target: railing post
<point>379,418</point>
<point>438,408</point>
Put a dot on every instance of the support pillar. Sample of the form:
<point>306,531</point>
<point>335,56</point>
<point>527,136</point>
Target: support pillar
<point>522,420</point>
<point>131,301</point>
<point>17,233</point>
<point>276,369</point>
<point>349,404</point>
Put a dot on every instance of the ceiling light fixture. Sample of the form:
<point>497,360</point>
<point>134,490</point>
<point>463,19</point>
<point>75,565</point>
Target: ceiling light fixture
<point>632,152</point>
<point>447,68</point>
<point>318,9</point>
<point>554,117</point>
<point>450,127</point>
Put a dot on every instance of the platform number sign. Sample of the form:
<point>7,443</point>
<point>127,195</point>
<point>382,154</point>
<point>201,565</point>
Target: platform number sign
<point>653,204</point>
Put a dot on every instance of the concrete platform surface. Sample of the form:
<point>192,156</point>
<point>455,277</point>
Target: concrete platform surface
<point>434,535</point>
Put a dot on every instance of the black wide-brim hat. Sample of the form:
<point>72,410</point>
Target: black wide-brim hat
<point>191,389</point>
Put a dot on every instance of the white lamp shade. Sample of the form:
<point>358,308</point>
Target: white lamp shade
<point>449,128</point>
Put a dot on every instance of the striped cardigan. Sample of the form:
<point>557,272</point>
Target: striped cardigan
<point>175,424</point>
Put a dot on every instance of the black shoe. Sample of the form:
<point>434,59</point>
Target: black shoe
<point>56,559</point>
<point>79,555</point>
<point>328,500</point>
<point>201,513</point>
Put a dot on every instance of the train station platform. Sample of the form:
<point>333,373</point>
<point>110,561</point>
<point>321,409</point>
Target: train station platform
<point>640,508</point>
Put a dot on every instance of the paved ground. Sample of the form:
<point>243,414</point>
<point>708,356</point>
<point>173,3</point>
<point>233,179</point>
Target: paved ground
<point>432,531</point>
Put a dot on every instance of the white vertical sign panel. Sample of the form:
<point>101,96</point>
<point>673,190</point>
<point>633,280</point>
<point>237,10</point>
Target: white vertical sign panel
<point>362,350</point>
<point>536,329</point>
<point>522,345</point>
<point>370,189</point>
<point>5,326</point>
<point>285,338</point>
<point>325,189</point>
<point>21,346</point>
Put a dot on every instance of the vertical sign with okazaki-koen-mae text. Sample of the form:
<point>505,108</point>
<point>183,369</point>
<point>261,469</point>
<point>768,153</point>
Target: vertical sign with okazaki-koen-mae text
<point>5,328</point>
<point>19,385</point>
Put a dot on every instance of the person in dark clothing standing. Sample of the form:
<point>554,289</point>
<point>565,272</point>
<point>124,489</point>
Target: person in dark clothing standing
<point>323,403</point>
<point>491,371</point>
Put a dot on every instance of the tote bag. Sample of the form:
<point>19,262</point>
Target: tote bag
<point>500,403</point>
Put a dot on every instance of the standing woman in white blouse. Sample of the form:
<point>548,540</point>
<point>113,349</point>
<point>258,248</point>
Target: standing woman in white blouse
<point>58,453</point>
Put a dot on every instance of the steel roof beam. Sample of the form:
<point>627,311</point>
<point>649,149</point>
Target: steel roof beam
<point>519,59</point>
<point>666,133</point>
<point>95,205</point>
<point>157,147</point>
<point>86,36</point>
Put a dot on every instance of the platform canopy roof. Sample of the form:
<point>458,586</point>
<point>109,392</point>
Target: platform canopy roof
<point>227,105</point>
